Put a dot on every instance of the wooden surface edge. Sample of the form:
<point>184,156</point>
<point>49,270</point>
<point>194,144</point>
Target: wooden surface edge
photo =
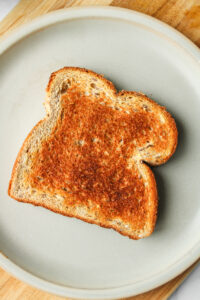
<point>181,14</point>
<point>184,15</point>
<point>164,291</point>
<point>14,289</point>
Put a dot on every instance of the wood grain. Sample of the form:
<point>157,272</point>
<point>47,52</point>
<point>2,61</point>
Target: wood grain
<point>184,15</point>
<point>14,289</point>
<point>181,14</point>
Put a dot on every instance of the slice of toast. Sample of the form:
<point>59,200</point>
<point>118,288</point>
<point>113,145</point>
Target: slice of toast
<point>87,158</point>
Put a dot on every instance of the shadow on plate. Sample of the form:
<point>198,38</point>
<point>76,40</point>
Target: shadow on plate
<point>162,184</point>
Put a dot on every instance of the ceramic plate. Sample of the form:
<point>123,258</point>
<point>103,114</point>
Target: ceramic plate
<point>67,256</point>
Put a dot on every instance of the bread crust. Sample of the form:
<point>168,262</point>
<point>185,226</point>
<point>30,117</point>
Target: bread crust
<point>18,158</point>
<point>153,198</point>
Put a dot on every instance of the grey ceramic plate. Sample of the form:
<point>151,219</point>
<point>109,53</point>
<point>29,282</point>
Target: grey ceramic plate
<point>66,256</point>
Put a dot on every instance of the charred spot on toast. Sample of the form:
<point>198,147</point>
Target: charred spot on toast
<point>91,154</point>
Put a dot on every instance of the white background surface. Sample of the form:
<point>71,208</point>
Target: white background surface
<point>190,289</point>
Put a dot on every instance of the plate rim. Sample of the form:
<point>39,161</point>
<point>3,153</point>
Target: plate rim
<point>180,40</point>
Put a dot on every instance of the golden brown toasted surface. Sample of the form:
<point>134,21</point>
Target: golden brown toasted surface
<point>87,157</point>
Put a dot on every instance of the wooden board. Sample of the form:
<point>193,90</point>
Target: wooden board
<point>184,15</point>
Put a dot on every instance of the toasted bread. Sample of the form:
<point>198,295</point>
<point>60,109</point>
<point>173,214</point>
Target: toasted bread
<point>87,158</point>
